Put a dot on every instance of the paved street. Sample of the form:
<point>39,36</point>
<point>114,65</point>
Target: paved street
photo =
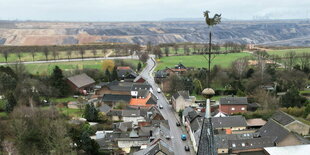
<point>168,113</point>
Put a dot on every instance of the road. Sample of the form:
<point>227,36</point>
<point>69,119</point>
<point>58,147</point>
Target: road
<point>168,113</point>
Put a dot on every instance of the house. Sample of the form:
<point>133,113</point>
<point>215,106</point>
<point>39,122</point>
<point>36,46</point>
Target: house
<point>104,108</point>
<point>139,79</point>
<point>295,150</point>
<point>281,135</point>
<point>255,123</point>
<point>185,113</point>
<point>140,87</point>
<point>240,143</point>
<point>179,68</point>
<point>81,83</point>
<point>144,99</point>
<point>114,87</point>
<point>126,73</point>
<point>159,148</point>
<point>195,127</point>
<point>290,123</point>
<point>112,99</point>
<point>231,104</point>
<point>228,124</point>
<point>115,114</point>
<point>134,116</point>
<point>181,100</point>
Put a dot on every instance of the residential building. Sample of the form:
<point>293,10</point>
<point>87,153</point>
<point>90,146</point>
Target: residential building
<point>140,87</point>
<point>280,135</point>
<point>104,108</point>
<point>113,99</point>
<point>229,124</point>
<point>181,100</point>
<point>159,148</point>
<point>290,123</point>
<point>231,104</point>
<point>126,73</point>
<point>295,150</point>
<point>114,87</point>
<point>144,99</point>
<point>255,123</point>
<point>81,83</point>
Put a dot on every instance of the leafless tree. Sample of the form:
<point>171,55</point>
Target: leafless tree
<point>5,54</point>
<point>69,53</point>
<point>290,60</point>
<point>19,55</point>
<point>176,48</point>
<point>240,66</point>
<point>46,53</point>
<point>304,59</point>
<point>94,51</point>
<point>82,52</point>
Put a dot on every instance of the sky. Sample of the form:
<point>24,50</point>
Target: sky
<point>150,10</point>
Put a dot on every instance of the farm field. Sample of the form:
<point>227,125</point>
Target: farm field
<point>284,51</point>
<point>198,61</point>
<point>13,57</point>
<point>47,68</point>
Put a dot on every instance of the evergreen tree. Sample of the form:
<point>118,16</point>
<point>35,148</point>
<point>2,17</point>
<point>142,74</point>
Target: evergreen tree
<point>139,66</point>
<point>114,74</point>
<point>292,99</point>
<point>58,82</point>
<point>91,113</point>
<point>107,75</point>
<point>10,102</point>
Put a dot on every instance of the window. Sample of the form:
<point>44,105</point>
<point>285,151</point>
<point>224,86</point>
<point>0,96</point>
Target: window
<point>243,144</point>
<point>232,108</point>
<point>233,145</point>
<point>242,108</point>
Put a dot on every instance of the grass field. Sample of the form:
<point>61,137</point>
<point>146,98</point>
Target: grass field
<point>40,56</point>
<point>199,61</point>
<point>283,52</point>
<point>47,68</point>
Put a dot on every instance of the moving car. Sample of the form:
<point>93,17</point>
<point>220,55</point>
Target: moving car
<point>183,137</point>
<point>178,123</point>
<point>161,107</point>
<point>186,147</point>
<point>158,90</point>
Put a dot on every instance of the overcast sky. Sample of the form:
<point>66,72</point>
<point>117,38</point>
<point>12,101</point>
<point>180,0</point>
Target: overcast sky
<point>144,10</point>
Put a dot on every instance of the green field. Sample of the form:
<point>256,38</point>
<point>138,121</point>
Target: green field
<point>198,61</point>
<point>47,68</point>
<point>284,51</point>
<point>40,56</point>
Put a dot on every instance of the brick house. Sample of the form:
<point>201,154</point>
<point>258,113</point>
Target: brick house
<point>231,104</point>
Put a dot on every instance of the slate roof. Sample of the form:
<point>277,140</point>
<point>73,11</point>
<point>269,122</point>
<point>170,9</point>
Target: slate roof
<point>124,72</point>
<point>160,146</point>
<point>140,86</point>
<point>114,113</point>
<point>180,66</point>
<point>274,130</point>
<point>295,150</point>
<point>131,113</point>
<point>161,74</point>
<point>152,100</point>
<point>221,140</point>
<point>196,124</point>
<point>184,94</point>
<point>231,121</point>
<point>187,110</point>
<point>81,80</point>
<point>119,86</point>
<point>115,98</point>
<point>123,126</point>
<point>143,93</point>
<point>104,108</point>
<point>253,143</point>
<point>282,118</point>
<point>229,100</point>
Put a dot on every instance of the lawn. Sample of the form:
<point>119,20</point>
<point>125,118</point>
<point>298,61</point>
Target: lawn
<point>47,68</point>
<point>284,51</point>
<point>198,61</point>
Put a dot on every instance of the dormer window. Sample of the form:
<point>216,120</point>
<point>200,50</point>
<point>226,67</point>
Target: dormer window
<point>233,145</point>
<point>243,144</point>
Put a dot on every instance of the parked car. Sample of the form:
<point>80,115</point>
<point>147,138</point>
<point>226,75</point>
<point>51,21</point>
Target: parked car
<point>178,123</point>
<point>186,147</point>
<point>161,107</point>
<point>158,90</point>
<point>183,137</point>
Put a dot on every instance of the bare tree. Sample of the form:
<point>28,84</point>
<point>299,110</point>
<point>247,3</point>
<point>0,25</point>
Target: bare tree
<point>19,55</point>
<point>46,52</point>
<point>55,54</point>
<point>94,51</point>
<point>69,53</point>
<point>240,66</point>
<point>82,52</point>
<point>149,47</point>
<point>290,60</point>
<point>176,48</point>
<point>167,51</point>
<point>304,59</point>
<point>33,53</point>
<point>5,54</point>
